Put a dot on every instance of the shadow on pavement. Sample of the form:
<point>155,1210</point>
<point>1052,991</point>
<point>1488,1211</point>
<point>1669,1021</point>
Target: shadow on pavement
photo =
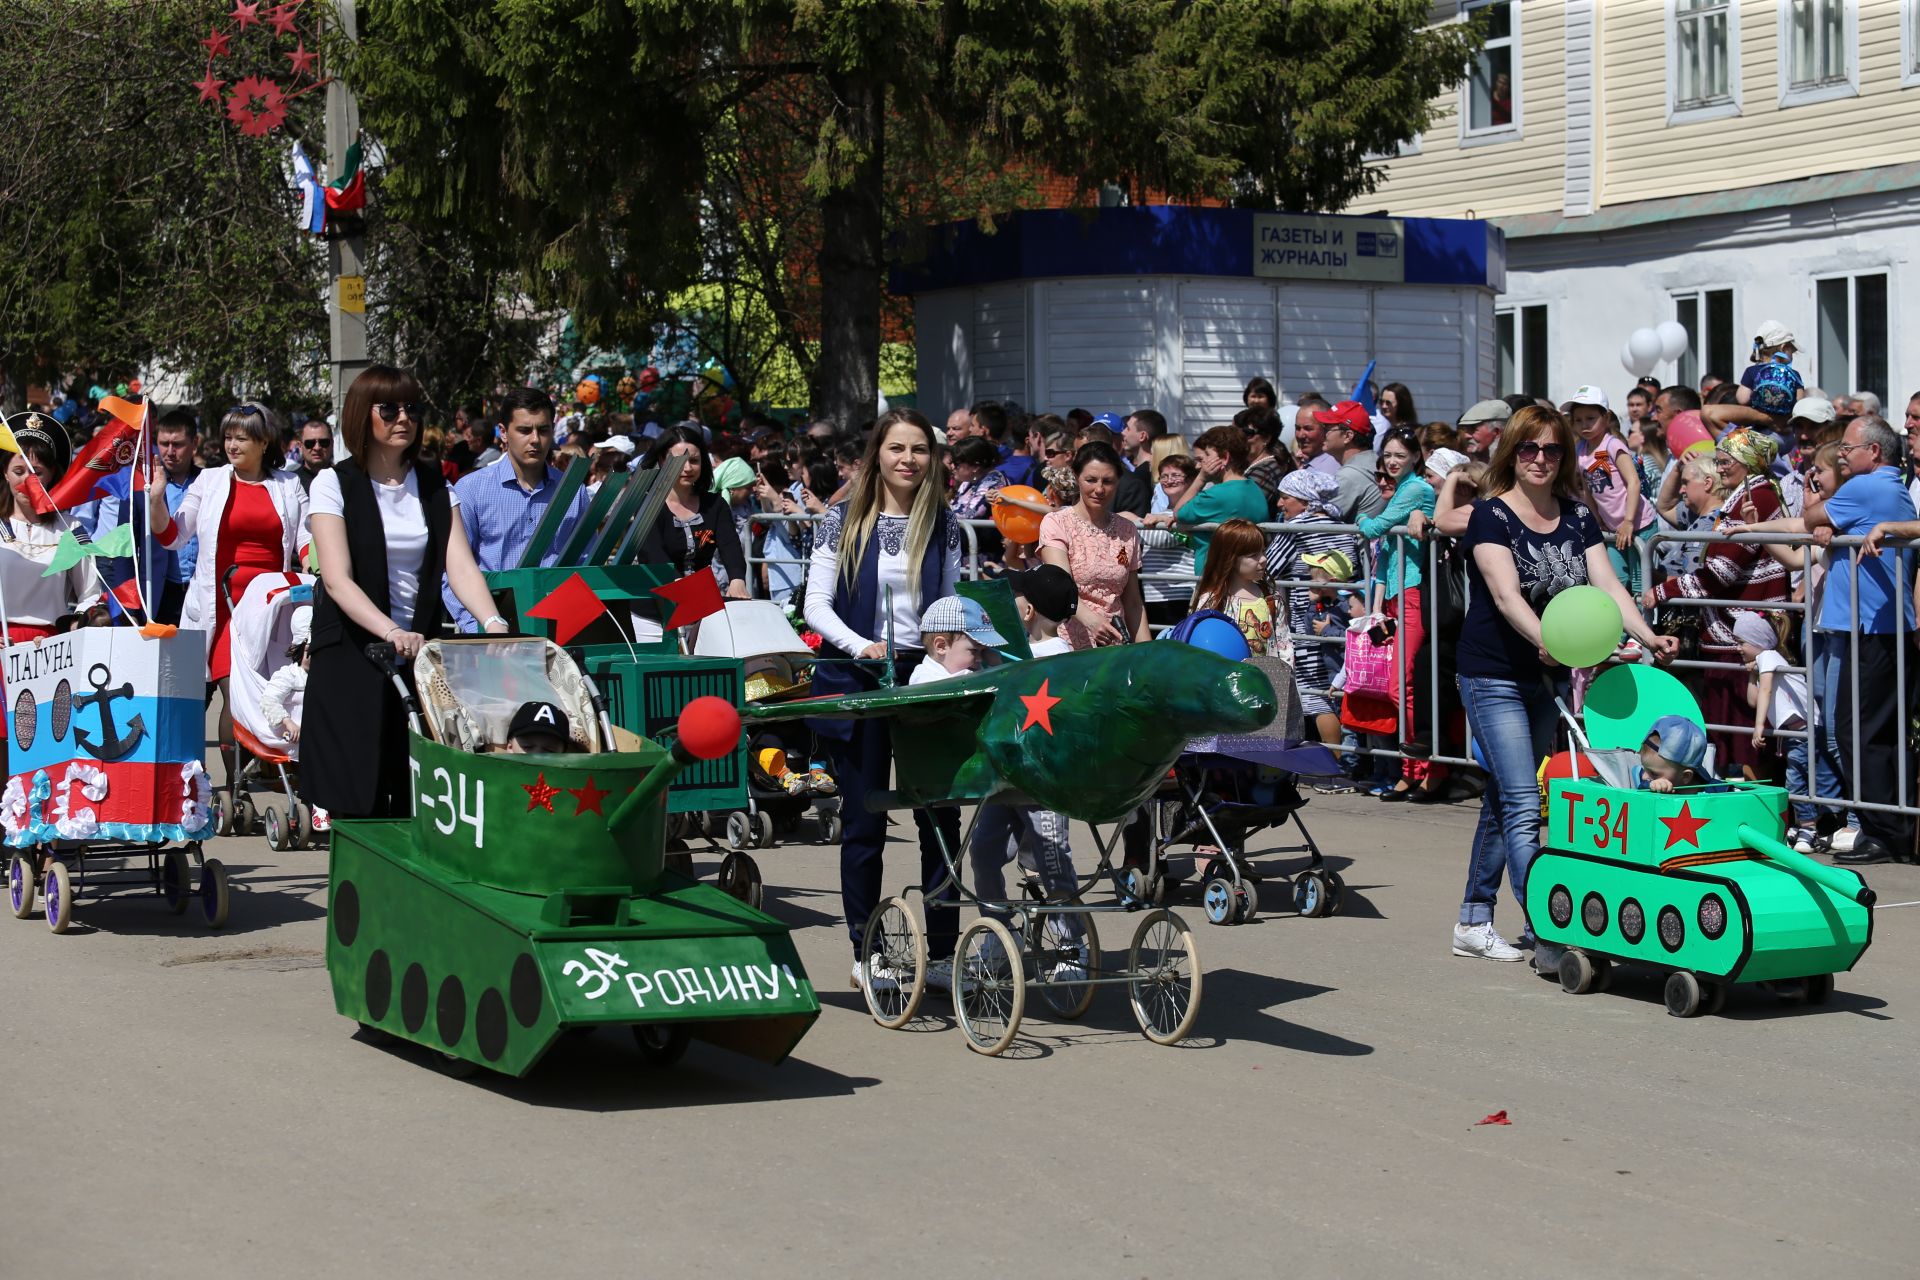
<point>257,901</point>
<point>1746,1002</point>
<point>603,1072</point>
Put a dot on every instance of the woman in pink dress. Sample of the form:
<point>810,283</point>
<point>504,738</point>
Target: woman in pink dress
<point>1101,549</point>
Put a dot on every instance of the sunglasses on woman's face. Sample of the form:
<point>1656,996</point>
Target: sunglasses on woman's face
<point>391,412</point>
<point>1532,449</point>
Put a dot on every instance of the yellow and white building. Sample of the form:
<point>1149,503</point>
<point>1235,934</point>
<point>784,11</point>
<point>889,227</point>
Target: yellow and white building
<point>1716,162</point>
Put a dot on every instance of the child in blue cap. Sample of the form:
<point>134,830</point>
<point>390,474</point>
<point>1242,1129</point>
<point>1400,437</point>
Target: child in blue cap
<point>1674,755</point>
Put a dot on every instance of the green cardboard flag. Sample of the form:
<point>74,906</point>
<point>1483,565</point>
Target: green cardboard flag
<point>116,544</point>
<point>66,554</point>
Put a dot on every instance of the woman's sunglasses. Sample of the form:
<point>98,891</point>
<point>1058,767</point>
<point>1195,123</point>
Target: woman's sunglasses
<point>390,412</point>
<point>1532,449</point>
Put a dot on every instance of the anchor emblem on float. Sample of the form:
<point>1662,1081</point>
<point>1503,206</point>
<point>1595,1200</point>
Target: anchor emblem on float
<point>113,745</point>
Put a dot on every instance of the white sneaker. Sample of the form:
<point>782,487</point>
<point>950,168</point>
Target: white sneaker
<point>1068,971</point>
<point>1843,839</point>
<point>874,976</point>
<point>1480,941</point>
<point>1802,839</point>
<point>940,975</point>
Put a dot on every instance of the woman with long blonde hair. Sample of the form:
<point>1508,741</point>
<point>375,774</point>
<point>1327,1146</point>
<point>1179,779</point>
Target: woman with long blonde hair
<point>879,559</point>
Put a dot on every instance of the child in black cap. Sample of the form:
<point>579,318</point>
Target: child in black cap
<point>539,728</point>
<point>1046,597</point>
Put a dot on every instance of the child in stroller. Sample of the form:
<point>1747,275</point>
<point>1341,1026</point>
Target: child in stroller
<point>269,626</point>
<point>784,782</point>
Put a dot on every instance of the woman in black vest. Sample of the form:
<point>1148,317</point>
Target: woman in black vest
<point>383,524</point>
<point>879,559</point>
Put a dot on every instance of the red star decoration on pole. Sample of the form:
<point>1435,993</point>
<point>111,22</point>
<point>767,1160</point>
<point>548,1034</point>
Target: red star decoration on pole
<point>539,794</point>
<point>1039,709</point>
<point>216,43</point>
<point>302,60</point>
<point>210,87</point>
<point>588,797</point>
<point>244,15</point>
<point>1685,827</point>
<point>281,19</point>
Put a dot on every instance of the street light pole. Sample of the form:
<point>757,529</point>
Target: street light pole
<point>346,285</point>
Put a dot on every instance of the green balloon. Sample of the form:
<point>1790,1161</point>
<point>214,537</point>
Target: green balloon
<point>1581,627</point>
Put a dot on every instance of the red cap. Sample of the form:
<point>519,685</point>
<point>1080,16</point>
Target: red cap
<point>1349,414</point>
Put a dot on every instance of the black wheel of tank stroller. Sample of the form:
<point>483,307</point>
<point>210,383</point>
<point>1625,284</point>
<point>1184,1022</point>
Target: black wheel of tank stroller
<point>740,878</point>
<point>661,1046</point>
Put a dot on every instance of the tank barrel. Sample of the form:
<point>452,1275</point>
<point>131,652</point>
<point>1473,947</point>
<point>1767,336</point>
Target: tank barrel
<point>708,728</point>
<point>1806,868</point>
<point>651,787</point>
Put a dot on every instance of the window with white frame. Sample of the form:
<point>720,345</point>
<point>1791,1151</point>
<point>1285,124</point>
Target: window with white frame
<point>1703,62</point>
<point>1521,335</point>
<point>1850,316</point>
<point>1493,86</point>
<point>1707,316</point>
<point>1819,50</point>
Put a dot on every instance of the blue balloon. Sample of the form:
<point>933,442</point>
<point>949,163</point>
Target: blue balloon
<point>1221,636</point>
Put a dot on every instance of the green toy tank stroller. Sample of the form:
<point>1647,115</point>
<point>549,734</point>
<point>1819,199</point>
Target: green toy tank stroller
<point>1697,882</point>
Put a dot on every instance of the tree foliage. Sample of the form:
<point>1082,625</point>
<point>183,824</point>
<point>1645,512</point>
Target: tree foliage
<point>140,230</point>
<point>602,142</point>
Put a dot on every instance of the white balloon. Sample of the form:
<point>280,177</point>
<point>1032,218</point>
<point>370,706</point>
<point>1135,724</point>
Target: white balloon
<point>1645,346</point>
<point>1626,359</point>
<point>1673,339</point>
<point>884,406</point>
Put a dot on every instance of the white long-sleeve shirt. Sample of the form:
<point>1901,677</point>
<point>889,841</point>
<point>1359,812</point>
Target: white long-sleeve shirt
<point>851,635</point>
<point>285,696</point>
<point>26,548</point>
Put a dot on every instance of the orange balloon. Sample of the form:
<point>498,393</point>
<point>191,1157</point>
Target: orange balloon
<point>588,392</point>
<point>1016,523</point>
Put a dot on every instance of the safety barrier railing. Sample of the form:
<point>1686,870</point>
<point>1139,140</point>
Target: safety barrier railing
<point>1423,735</point>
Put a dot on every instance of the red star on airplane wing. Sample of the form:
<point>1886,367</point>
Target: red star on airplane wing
<point>588,797</point>
<point>539,794</point>
<point>1039,708</point>
<point>1685,827</point>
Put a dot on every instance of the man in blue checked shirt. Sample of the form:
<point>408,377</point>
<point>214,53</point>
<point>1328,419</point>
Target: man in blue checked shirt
<point>502,503</point>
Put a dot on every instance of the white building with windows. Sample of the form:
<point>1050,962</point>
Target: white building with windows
<point>1716,162</point>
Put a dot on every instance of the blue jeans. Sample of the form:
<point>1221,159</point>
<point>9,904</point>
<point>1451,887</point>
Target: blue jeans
<point>1829,771</point>
<point>1038,838</point>
<point>1804,814</point>
<point>1513,725</point>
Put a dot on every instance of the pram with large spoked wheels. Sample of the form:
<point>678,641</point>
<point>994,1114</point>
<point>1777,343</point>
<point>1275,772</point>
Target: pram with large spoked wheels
<point>1226,789</point>
<point>260,755</point>
<point>1086,736</point>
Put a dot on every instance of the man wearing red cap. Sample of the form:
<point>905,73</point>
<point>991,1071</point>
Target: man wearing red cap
<point>1350,439</point>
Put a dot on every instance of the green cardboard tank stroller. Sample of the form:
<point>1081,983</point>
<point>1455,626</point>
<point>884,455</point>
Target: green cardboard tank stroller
<point>1698,882</point>
<point>527,895</point>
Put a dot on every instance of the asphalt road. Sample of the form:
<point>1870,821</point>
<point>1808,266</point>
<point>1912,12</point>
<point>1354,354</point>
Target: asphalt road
<point>184,1103</point>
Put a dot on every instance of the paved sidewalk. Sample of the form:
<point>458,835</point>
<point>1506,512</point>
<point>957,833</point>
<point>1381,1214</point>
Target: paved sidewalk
<point>188,1104</point>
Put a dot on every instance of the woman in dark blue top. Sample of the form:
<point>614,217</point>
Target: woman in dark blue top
<point>1529,537</point>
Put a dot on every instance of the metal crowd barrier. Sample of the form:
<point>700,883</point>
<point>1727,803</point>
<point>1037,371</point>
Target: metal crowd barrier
<point>1425,727</point>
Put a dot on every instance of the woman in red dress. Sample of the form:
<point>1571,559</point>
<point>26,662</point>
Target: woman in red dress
<point>249,517</point>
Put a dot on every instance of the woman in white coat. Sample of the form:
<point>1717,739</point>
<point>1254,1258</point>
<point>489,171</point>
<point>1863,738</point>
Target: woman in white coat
<point>249,517</point>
